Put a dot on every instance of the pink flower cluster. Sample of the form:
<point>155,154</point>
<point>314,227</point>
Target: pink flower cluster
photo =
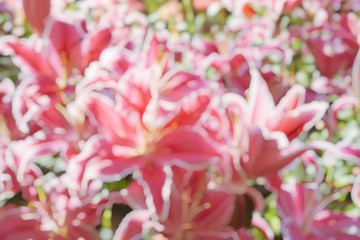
<point>200,118</point>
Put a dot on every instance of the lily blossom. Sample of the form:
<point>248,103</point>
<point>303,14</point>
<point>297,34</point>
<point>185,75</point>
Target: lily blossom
<point>151,125</point>
<point>290,116</point>
<point>304,217</point>
<point>57,212</point>
<point>52,67</point>
<point>194,209</point>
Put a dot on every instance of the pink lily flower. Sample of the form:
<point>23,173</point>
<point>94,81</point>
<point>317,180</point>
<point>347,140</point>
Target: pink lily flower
<point>258,124</point>
<point>304,217</point>
<point>50,76</point>
<point>9,130</point>
<point>191,209</point>
<point>131,226</point>
<point>56,212</point>
<point>275,145</point>
<point>290,116</point>
<point>154,124</point>
<point>12,178</point>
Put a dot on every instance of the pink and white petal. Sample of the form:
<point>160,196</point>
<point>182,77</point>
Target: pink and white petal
<point>260,223</point>
<point>294,200</point>
<point>274,181</point>
<point>351,152</point>
<point>96,160</point>
<point>157,183</point>
<point>344,102</point>
<point>36,13</point>
<point>82,231</point>
<point>132,226</point>
<point>186,148</point>
<point>9,185</point>
<point>52,120</point>
<point>112,168</point>
<point>17,227</point>
<point>240,73</point>
<point>301,119</point>
<point>180,85</point>
<point>340,150</point>
<point>337,225</point>
<point>294,98</point>
<point>7,89</point>
<point>236,111</point>
<point>112,124</point>
<point>218,207</point>
<point>257,199</point>
<point>95,44</point>
<point>310,158</point>
<point>261,102</point>
<point>234,104</point>
<point>133,195</point>
<point>32,150</point>
<point>95,147</point>
<point>66,39</point>
<point>234,176</point>
<point>32,95</point>
<point>290,230</point>
<point>275,153</point>
<point>193,108</point>
<point>151,49</point>
<point>29,60</point>
<point>137,89</point>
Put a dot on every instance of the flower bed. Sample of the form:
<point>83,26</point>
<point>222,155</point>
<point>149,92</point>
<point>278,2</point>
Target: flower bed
<point>184,120</point>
